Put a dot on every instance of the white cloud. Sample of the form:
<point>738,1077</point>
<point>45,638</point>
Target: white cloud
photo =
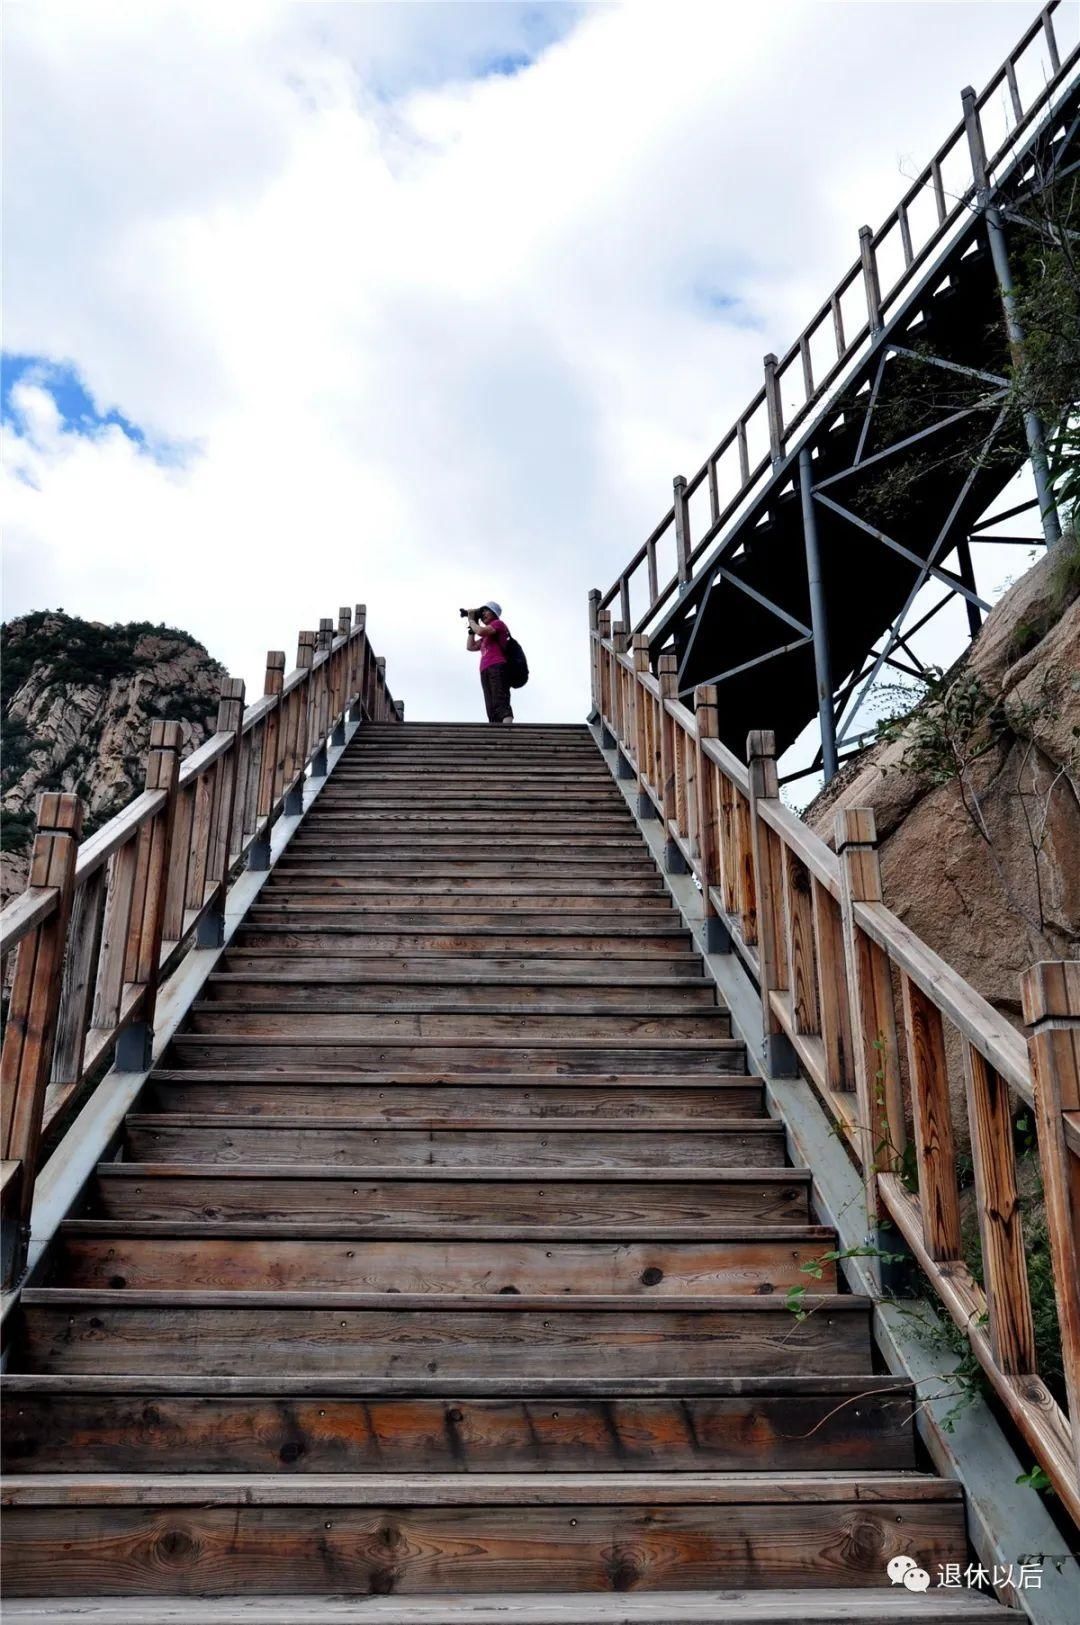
<point>431,336</point>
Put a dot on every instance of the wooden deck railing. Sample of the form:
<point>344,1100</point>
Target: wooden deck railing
<point>937,203</point>
<point>100,925</point>
<point>872,1015</point>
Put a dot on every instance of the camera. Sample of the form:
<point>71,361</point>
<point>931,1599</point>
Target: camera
<point>470,614</point>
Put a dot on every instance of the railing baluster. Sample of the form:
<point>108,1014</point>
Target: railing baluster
<point>879,1125</point>
<point>666,671</point>
<point>932,1128</point>
<point>1008,1296</point>
<point>710,845</point>
<point>799,941</point>
<point>832,988</point>
<point>149,902</point>
<point>31,1024</point>
<point>1051,1000</point>
<point>768,889</point>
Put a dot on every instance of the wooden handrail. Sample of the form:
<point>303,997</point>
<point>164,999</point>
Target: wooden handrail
<point>829,957</point>
<point>101,924</point>
<point>790,374</point>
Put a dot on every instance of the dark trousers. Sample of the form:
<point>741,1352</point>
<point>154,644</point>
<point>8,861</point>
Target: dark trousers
<point>496,692</point>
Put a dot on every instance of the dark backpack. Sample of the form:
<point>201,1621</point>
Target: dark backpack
<point>517,666</point>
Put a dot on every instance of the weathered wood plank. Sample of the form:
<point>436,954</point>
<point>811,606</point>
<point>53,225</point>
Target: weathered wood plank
<point>753,1337</point>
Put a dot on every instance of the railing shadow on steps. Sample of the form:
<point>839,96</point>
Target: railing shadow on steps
<point>831,963</point>
<point>102,925</point>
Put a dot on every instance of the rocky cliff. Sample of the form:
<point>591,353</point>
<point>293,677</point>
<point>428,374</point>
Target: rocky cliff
<point>977,792</point>
<point>76,703</point>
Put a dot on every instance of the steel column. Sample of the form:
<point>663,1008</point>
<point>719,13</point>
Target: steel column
<point>819,621</point>
<point>999,255</point>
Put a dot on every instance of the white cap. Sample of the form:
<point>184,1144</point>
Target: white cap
<point>496,609</point>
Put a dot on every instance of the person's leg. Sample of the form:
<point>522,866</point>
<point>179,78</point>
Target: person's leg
<point>501,694</point>
<point>488,687</point>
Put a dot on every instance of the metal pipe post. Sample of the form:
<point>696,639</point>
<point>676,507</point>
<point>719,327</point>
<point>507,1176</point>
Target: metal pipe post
<point>819,622</point>
<point>999,255</point>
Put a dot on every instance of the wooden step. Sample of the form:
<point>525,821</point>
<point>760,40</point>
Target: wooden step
<point>453,1100</point>
<point>468,872</point>
<point>470,939</point>
<point>221,1258</point>
<point>644,900</point>
<point>412,916</point>
<point>406,1335</point>
<point>397,1194</point>
<point>300,991</point>
<point>219,1139</point>
<point>569,894</point>
<point>77,1424</point>
<point>825,1605</point>
<point>430,1533</point>
<point>410,1057</point>
<point>420,1018</point>
<point>372,967</point>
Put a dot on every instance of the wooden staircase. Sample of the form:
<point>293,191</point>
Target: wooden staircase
<point>441,1269</point>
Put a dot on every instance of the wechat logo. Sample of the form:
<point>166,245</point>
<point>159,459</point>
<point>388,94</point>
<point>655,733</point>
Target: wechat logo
<point>906,1572</point>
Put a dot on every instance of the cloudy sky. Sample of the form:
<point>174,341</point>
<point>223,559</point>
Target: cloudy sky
<point>419,303</point>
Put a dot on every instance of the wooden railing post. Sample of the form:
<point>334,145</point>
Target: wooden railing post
<point>623,717</point>
<point>871,284</point>
<point>879,1125</point>
<point>717,937</point>
<point>270,774</point>
<point>682,531</point>
<point>642,732</point>
<point>31,1024</point>
<point>380,689</point>
<point>358,666</point>
<point>1051,1001</point>
<point>343,691</point>
<point>210,932</point>
<point>774,410</point>
<point>667,672</point>
<point>299,728</point>
<point>769,893</point>
<point>321,699</point>
<point>594,666</point>
<point>146,928</point>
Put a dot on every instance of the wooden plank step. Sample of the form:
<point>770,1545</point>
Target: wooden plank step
<point>355,995</point>
<point>401,1194</point>
<point>413,917</point>
<point>80,1429</point>
<point>272,1261</point>
<point>373,967</point>
<point>644,900</point>
<point>422,1019</point>
<point>437,890</point>
<point>408,1336</point>
<point>527,1098</point>
<point>409,1056</point>
<point>476,865</point>
<point>484,983</point>
<point>363,935</point>
<point>430,1533</point>
<point>827,1605</point>
<point>286,1140</point>
<point>439,841</point>
<point>323,823</point>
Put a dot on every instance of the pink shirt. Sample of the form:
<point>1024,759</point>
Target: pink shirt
<point>494,636</point>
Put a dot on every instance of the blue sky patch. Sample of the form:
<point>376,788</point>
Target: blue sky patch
<point>78,411</point>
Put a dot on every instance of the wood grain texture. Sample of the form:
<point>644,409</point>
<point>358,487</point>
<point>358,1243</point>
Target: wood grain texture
<point>439,1549</point>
